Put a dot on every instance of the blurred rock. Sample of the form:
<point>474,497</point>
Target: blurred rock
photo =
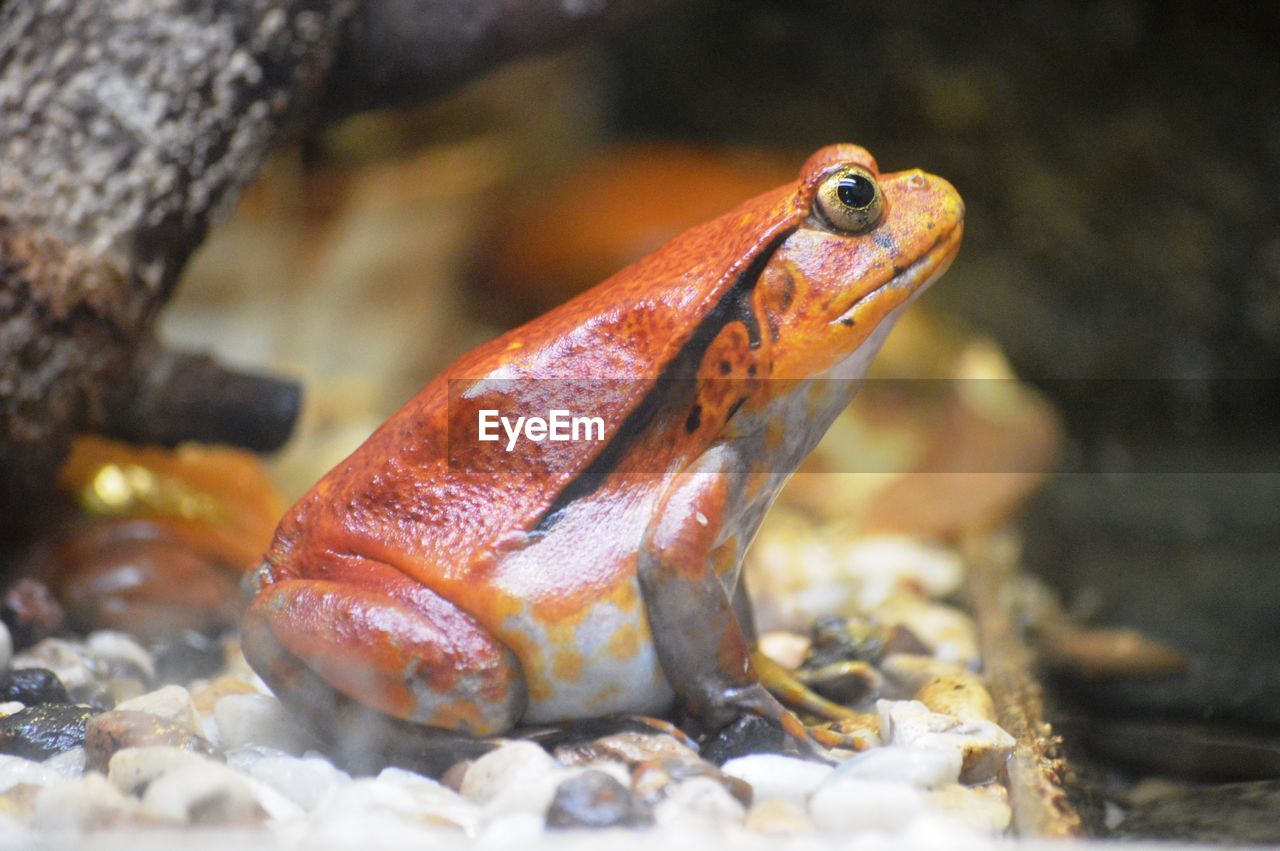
<point>593,799</point>
<point>38,732</point>
<point>32,686</point>
<point>113,731</point>
<point>30,612</point>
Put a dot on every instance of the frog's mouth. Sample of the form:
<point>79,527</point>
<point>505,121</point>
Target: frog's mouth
<point>908,282</point>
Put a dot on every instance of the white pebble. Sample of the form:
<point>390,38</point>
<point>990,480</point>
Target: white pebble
<point>923,768</point>
<point>172,703</point>
<point>884,564</point>
<point>302,780</point>
<point>211,793</point>
<point>983,746</point>
<point>69,763</point>
<point>977,809</point>
<point>113,644</point>
<point>856,805</point>
<point>513,830</point>
<point>258,719</point>
<point>11,706</point>
<point>699,803</point>
<point>15,770</point>
<point>516,777</point>
<point>775,777</point>
<point>132,768</point>
<point>82,803</point>
<point>394,806</point>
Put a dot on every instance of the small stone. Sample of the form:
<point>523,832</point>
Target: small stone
<point>774,777</point>
<point>516,776</point>
<point>69,763</point>
<point>84,803</point>
<point>172,702</point>
<point>886,564</point>
<point>984,747</point>
<point>69,660</point>
<point>977,808</point>
<point>855,805</point>
<point>11,706</point>
<point>698,803</point>
<point>749,734</point>
<point>16,770</point>
<point>788,649</point>
<point>919,767</point>
<point>39,732</point>
<point>259,719</point>
<point>207,697</point>
<point>122,654</point>
<point>94,694</point>
<point>594,799</point>
<point>32,686</point>
<point>30,612</point>
<point>209,793</point>
<point>908,672</point>
<point>131,769</point>
<point>395,804</point>
<point>652,779</point>
<point>185,656</point>
<point>630,747</point>
<point>950,633</point>
<point>303,780</point>
<point>961,695</point>
<point>776,817</point>
<point>112,731</point>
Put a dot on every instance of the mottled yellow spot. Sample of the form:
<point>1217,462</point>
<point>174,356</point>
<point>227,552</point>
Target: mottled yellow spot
<point>605,695</point>
<point>567,666</point>
<point>463,716</point>
<point>625,642</point>
<point>625,596</point>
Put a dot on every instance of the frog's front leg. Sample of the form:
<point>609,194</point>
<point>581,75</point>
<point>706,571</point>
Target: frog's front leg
<point>702,647</point>
<point>433,676</point>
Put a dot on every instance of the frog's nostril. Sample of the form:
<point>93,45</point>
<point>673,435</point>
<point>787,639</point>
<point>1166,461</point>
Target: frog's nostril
<point>917,181</point>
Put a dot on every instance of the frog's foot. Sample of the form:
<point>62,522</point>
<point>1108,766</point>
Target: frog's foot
<point>839,726</point>
<point>410,670</point>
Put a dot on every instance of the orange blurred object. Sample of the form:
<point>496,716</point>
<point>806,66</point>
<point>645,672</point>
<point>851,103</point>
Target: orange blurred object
<point>568,235</point>
<point>163,539</point>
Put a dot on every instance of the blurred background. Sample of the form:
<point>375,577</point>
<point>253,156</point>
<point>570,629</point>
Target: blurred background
<point>1120,164</point>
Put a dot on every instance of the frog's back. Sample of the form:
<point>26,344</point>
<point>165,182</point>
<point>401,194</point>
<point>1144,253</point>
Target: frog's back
<point>444,514</point>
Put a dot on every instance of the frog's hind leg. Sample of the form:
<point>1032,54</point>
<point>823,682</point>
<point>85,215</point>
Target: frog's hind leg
<point>386,669</point>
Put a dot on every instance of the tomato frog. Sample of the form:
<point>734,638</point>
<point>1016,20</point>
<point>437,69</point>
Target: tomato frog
<point>438,589</point>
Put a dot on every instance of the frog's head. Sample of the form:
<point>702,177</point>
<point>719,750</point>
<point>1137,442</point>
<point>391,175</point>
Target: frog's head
<point>865,245</point>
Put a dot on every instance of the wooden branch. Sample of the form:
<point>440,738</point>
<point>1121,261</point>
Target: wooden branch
<point>129,127</point>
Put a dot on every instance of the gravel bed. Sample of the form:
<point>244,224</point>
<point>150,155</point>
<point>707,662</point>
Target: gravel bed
<point>100,734</point>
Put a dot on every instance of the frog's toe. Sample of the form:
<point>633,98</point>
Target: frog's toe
<point>790,691</point>
<point>420,660</point>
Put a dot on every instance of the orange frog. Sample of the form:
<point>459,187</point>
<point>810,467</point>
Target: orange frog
<point>436,587</point>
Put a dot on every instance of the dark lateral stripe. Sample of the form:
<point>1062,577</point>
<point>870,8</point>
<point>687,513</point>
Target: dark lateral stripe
<point>733,306</point>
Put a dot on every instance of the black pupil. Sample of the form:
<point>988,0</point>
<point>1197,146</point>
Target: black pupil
<point>856,191</point>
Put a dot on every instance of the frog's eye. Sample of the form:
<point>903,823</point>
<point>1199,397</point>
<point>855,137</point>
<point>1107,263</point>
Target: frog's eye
<point>850,201</point>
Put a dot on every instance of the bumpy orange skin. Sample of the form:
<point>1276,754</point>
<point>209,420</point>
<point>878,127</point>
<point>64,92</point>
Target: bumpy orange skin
<point>445,582</point>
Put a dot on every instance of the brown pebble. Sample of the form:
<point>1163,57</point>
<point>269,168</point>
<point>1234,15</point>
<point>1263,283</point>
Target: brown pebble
<point>629,747</point>
<point>119,729</point>
<point>30,611</point>
<point>958,694</point>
